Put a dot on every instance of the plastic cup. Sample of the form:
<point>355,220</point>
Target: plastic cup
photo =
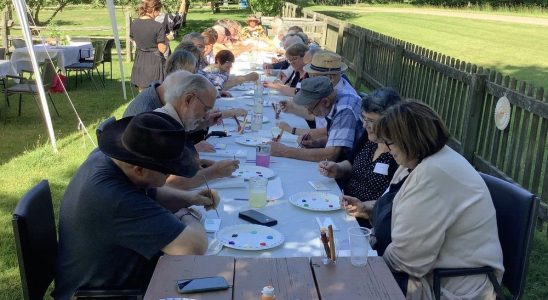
<point>262,155</point>
<point>257,192</point>
<point>359,245</point>
<point>256,122</point>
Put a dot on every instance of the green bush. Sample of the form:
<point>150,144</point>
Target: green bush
<point>266,7</point>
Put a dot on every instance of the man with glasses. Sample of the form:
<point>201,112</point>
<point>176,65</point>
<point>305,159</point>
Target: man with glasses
<point>342,112</point>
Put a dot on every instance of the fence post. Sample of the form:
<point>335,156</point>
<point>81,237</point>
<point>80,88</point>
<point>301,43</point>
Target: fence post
<point>361,60</point>
<point>129,44</point>
<point>342,25</point>
<point>5,29</point>
<point>474,100</point>
<point>395,77</point>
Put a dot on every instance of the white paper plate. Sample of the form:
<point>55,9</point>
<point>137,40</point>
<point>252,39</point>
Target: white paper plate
<point>252,92</point>
<point>248,171</point>
<point>251,141</point>
<point>249,117</point>
<point>315,201</point>
<point>250,237</point>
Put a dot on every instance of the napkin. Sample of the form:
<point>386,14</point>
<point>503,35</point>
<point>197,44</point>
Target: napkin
<point>226,183</point>
<point>226,153</point>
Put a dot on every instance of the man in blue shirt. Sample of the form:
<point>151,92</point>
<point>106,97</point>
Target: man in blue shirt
<point>342,112</point>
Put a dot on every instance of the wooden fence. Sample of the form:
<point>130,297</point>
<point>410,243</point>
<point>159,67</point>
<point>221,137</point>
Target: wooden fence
<point>464,95</point>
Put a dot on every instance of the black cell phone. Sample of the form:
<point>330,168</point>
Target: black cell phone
<point>204,284</point>
<point>256,217</point>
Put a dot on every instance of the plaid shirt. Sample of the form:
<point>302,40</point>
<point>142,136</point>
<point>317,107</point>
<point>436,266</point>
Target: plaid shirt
<point>344,126</point>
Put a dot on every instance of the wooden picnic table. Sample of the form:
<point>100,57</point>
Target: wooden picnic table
<point>293,278</point>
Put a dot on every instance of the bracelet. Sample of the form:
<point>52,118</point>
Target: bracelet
<point>293,130</point>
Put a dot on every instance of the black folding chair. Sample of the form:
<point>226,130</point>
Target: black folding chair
<point>516,210</point>
<point>36,244</point>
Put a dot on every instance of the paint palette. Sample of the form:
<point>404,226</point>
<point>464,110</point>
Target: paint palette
<point>248,171</point>
<point>315,201</point>
<point>250,237</point>
<point>251,141</point>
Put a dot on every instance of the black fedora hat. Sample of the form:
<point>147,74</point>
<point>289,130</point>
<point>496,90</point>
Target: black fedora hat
<point>151,140</point>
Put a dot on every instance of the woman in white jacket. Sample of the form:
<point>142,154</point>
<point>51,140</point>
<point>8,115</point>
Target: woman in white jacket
<point>442,215</point>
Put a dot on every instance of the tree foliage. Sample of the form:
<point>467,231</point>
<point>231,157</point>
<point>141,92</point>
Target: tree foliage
<point>266,7</point>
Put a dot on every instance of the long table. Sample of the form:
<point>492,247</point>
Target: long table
<point>293,278</point>
<point>299,226</point>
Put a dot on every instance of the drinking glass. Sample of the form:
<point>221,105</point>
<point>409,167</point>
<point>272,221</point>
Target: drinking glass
<point>262,155</point>
<point>257,191</point>
<point>359,245</point>
<point>256,122</point>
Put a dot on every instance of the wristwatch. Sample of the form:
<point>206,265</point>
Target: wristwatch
<point>293,130</point>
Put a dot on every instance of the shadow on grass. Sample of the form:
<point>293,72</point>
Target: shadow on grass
<point>341,15</point>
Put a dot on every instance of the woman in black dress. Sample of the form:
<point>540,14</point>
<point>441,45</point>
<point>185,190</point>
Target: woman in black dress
<point>149,37</point>
<point>367,174</point>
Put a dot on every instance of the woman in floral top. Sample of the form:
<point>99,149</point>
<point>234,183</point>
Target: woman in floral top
<point>219,73</point>
<point>254,29</point>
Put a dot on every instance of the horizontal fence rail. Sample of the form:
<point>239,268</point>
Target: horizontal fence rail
<point>465,96</point>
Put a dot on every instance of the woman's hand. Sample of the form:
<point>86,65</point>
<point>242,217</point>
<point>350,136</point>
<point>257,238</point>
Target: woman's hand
<point>278,149</point>
<point>354,207</point>
<point>329,169</point>
<point>273,85</point>
<point>225,94</point>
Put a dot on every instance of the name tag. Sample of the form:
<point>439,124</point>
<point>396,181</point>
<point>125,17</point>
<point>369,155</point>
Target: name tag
<point>298,86</point>
<point>381,168</point>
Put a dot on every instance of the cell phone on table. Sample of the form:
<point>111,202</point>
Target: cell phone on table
<point>256,217</point>
<point>204,284</point>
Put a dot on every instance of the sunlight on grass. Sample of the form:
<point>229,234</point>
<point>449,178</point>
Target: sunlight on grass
<point>517,50</point>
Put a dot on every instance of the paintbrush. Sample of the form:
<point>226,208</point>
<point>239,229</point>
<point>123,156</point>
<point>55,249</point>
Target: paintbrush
<point>211,194</point>
<point>325,242</point>
<point>243,125</point>
<point>238,123</point>
<point>305,137</point>
<point>331,242</point>
<point>279,137</point>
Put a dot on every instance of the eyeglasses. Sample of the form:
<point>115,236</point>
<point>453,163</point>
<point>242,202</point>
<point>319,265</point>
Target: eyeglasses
<point>207,108</point>
<point>367,122</point>
<point>292,58</point>
<point>311,110</point>
<point>388,145</point>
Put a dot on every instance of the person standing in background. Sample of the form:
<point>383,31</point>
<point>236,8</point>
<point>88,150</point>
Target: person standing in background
<point>150,40</point>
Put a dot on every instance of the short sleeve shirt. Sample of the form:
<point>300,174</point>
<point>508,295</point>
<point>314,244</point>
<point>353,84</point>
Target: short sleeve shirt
<point>110,231</point>
<point>147,100</point>
<point>147,34</point>
<point>344,124</point>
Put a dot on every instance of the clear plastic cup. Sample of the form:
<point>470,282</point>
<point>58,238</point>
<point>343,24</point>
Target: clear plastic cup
<point>256,122</point>
<point>262,155</point>
<point>257,192</point>
<point>359,245</point>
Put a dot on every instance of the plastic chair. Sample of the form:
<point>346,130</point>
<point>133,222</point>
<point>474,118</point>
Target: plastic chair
<point>516,210</point>
<point>87,66</point>
<point>36,244</point>
<point>29,87</point>
<point>107,56</point>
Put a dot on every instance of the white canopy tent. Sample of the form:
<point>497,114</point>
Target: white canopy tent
<point>20,8</point>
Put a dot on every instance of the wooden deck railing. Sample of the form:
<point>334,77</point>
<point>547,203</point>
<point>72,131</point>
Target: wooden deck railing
<point>464,95</point>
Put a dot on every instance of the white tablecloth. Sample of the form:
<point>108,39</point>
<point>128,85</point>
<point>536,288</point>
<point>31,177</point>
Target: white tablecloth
<point>6,68</point>
<point>66,55</point>
<point>299,226</point>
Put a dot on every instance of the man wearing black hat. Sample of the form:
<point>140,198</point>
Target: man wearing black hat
<point>115,219</point>
<point>342,112</point>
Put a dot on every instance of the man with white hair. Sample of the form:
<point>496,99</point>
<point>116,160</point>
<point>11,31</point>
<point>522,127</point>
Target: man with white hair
<point>177,96</point>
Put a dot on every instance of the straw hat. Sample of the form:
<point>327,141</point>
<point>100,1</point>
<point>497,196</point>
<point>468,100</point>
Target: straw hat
<point>253,18</point>
<point>325,62</point>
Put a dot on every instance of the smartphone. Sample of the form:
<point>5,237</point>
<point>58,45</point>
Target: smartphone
<point>204,284</point>
<point>256,217</point>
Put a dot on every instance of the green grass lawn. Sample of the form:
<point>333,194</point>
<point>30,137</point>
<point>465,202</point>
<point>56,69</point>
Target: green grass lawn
<point>517,50</point>
<point>26,156</point>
